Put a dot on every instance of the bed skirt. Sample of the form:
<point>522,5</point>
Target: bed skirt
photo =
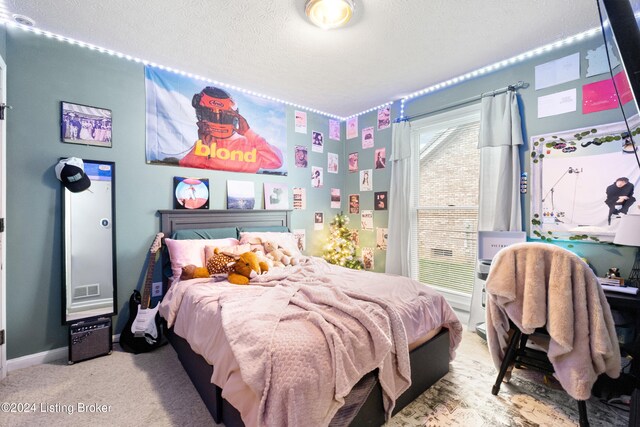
<point>429,362</point>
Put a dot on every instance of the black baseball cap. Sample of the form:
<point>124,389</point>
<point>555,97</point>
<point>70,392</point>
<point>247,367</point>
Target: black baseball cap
<point>71,172</point>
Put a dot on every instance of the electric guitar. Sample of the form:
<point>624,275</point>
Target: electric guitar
<point>143,332</point>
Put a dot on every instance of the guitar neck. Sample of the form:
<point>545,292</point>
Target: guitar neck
<point>145,297</point>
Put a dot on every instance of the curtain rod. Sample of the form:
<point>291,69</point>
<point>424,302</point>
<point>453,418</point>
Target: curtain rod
<point>518,85</point>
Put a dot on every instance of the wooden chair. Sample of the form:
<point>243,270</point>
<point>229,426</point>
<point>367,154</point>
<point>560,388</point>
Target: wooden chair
<point>518,354</point>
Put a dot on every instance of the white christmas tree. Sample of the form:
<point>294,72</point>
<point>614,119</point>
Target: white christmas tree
<point>340,249</point>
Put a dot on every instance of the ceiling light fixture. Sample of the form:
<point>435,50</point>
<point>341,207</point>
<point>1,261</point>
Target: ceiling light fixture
<point>329,14</point>
<point>24,20</point>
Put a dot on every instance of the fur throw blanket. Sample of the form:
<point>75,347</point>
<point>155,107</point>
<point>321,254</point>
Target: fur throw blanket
<point>538,284</point>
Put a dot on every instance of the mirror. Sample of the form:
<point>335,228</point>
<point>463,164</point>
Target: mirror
<point>89,266</point>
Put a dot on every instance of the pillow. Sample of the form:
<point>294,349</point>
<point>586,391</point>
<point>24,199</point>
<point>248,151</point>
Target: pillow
<point>232,251</point>
<point>286,240</point>
<point>191,251</point>
<point>205,233</point>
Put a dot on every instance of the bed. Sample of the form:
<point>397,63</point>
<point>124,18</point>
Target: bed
<point>227,389</point>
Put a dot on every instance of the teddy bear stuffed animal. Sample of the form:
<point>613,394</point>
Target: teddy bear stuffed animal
<point>246,268</point>
<point>280,256</point>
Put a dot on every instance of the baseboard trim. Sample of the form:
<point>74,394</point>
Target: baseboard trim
<point>42,357</point>
<point>37,358</point>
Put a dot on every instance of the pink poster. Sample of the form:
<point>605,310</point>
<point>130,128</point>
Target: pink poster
<point>600,96</point>
<point>622,84</point>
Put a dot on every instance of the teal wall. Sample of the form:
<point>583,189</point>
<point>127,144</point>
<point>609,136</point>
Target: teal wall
<point>41,73</point>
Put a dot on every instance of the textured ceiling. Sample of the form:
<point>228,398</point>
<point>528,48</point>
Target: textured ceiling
<point>392,48</point>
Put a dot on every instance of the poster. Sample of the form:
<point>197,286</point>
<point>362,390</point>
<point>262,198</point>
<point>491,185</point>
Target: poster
<point>276,196</point>
<point>299,198</point>
<point>602,95</point>
<point>353,162</point>
<point>334,130</point>
<point>367,137</point>
<point>190,193</point>
<point>240,195</point>
<point>366,180</point>
<point>597,61</point>
<point>318,221</point>
<point>301,156</point>
<point>335,198</point>
<point>380,158</point>
<point>367,258</point>
<point>380,200</point>
<point>599,96</point>
<point>557,103</point>
<point>355,237</point>
<point>191,123</point>
<point>301,122</point>
<point>352,127</point>
<point>317,143</point>
<point>332,162</point>
<point>316,177</point>
<point>366,220</point>
<point>576,178</point>
<point>354,203</point>
<point>558,71</point>
<point>384,117</point>
<point>381,238</point>
<point>301,239</point>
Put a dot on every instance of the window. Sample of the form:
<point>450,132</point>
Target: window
<point>445,184</point>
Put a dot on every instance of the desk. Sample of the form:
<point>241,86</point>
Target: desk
<point>620,301</point>
<point>630,304</point>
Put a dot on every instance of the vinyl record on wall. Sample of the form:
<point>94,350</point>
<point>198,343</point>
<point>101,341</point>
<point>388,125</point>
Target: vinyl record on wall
<point>190,193</point>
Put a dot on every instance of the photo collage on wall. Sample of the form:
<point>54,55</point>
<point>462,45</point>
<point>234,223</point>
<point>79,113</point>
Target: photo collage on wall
<point>319,154</point>
<point>369,160</point>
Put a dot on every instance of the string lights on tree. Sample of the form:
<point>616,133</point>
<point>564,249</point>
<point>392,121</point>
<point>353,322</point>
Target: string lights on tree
<point>340,249</point>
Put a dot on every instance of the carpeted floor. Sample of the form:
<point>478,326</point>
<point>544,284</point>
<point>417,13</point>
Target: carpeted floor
<point>152,389</point>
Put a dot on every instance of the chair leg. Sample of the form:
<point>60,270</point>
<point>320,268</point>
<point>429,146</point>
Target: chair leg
<point>506,362</point>
<point>582,411</point>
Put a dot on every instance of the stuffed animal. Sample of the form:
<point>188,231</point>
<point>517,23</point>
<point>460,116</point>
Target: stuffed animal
<point>192,272</point>
<point>262,257</point>
<point>247,267</point>
<point>280,256</point>
<point>220,263</point>
<point>613,273</point>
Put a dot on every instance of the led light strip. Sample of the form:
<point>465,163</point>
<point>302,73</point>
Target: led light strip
<point>4,17</point>
<point>90,46</point>
<point>498,65</point>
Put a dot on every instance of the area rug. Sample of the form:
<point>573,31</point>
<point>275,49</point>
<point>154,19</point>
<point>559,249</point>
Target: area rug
<point>463,398</point>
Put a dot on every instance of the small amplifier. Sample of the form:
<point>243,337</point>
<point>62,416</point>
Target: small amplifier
<point>89,338</point>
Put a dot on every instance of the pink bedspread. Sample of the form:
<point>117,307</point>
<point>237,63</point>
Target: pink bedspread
<point>384,313</point>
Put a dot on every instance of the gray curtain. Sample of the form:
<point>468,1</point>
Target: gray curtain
<point>499,204</point>
<point>400,201</point>
<point>500,138</point>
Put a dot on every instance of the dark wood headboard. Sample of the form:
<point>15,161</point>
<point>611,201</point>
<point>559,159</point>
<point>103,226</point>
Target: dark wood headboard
<point>180,219</point>
<point>172,220</point>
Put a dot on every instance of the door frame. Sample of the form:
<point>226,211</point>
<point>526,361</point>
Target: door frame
<point>3,235</point>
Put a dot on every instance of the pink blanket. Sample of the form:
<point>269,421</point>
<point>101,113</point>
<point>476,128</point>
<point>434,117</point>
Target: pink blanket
<point>344,335</point>
<point>195,309</point>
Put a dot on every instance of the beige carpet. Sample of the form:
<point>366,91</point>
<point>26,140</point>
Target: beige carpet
<point>153,389</point>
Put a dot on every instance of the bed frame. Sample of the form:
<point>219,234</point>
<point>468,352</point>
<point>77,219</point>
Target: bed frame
<point>429,361</point>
